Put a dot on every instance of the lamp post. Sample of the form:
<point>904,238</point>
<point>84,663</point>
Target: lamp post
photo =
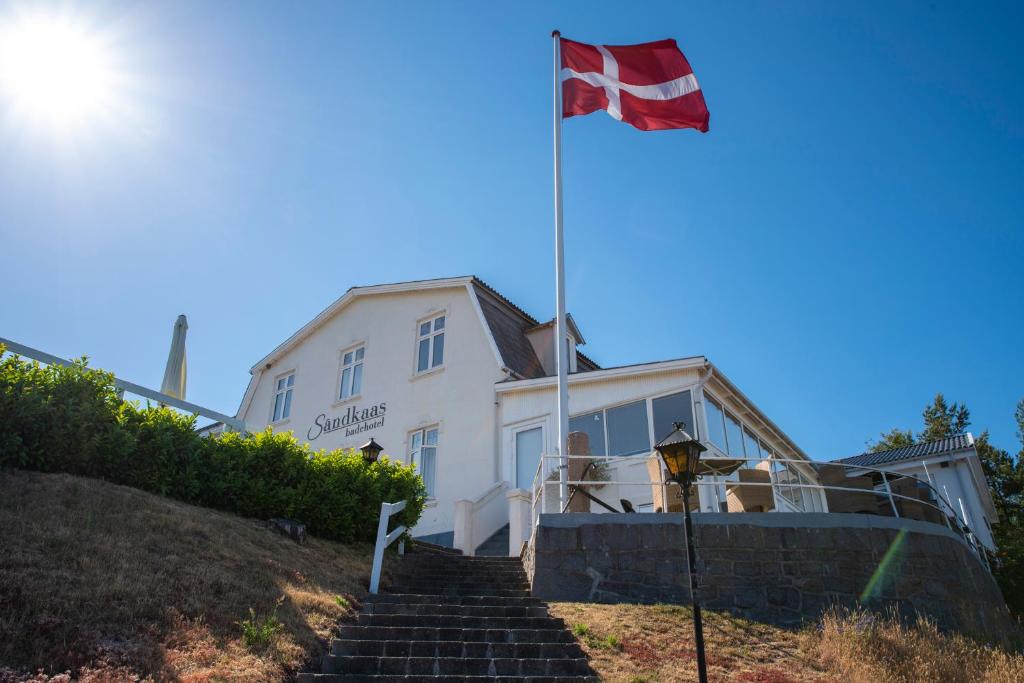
<point>681,453</point>
<point>371,450</point>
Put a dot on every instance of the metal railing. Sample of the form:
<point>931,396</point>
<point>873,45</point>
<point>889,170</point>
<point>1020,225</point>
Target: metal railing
<point>384,539</point>
<point>784,483</point>
<point>124,386</point>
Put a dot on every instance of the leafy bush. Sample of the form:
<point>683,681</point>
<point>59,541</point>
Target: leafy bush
<point>71,419</point>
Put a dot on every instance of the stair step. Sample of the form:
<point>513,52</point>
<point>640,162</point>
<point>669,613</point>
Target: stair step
<point>433,549</point>
<point>371,678</point>
<point>444,648</point>
<point>427,608</point>
<point>421,598</point>
<point>492,635</point>
<point>457,621</point>
<point>448,592</point>
<point>454,666</point>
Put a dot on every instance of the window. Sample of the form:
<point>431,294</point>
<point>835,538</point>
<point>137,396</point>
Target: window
<point>430,344</point>
<point>352,372</point>
<point>627,429</point>
<point>750,442</point>
<point>716,423</point>
<point>734,436</point>
<point>591,424</point>
<point>283,397</point>
<point>673,408</point>
<point>423,454</point>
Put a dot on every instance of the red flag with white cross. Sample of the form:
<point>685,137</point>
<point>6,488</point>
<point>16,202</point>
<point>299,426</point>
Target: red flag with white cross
<point>650,86</point>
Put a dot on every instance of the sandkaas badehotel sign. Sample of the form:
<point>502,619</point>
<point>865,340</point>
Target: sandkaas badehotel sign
<point>354,421</point>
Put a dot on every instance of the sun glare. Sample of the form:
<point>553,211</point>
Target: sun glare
<point>55,72</point>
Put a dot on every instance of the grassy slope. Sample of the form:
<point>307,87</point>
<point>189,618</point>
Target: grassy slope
<point>654,643</point>
<point>111,581</point>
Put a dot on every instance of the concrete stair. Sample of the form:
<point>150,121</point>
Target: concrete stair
<point>447,617</point>
<point>496,545</point>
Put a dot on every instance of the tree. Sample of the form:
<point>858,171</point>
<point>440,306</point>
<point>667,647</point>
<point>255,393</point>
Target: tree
<point>942,420</point>
<point>894,438</point>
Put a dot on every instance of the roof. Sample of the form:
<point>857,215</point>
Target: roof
<point>507,324</point>
<point>928,449</point>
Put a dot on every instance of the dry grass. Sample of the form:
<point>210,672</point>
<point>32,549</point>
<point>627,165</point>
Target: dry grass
<point>654,643</point>
<point>862,648</point>
<point>113,583</point>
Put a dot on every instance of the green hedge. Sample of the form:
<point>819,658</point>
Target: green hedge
<point>70,419</point>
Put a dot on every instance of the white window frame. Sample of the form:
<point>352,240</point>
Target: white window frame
<point>431,336</point>
<point>339,395</point>
<point>288,392</point>
<point>416,453</point>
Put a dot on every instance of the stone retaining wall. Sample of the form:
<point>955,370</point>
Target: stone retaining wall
<point>778,568</point>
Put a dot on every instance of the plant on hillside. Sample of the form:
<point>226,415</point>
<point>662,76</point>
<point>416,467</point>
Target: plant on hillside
<point>259,632</point>
<point>71,419</point>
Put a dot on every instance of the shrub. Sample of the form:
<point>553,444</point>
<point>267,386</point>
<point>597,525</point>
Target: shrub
<point>71,419</point>
<point>259,632</point>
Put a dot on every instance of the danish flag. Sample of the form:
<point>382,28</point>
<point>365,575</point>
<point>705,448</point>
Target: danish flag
<point>650,86</point>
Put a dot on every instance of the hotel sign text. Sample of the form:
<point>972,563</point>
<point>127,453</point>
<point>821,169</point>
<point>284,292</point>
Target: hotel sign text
<point>355,421</point>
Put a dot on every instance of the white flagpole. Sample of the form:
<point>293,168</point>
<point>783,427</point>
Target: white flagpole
<point>561,347</point>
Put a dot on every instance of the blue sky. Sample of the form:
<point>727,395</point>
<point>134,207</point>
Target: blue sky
<point>844,243</point>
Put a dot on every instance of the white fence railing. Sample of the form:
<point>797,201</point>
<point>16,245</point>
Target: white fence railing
<point>384,539</point>
<point>788,480</point>
<point>124,386</point>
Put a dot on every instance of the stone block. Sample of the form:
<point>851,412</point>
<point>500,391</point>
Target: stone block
<point>712,536</point>
<point>741,569</point>
<point>555,539</point>
<point>788,598</point>
<point>747,597</point>
<point>747,536</point>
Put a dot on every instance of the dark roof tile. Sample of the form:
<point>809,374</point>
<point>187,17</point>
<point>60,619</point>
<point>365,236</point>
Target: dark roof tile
<point>918,450</point>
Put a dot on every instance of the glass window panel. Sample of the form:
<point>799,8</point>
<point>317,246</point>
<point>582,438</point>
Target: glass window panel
<point>438,350</point>
<point>281,383</point>
<point>287,404</point>
<point>669,409</point>
<point>439,323</point>
<point>424,355</point>
<point>752,450</point>
<point>425,329</point>
<point>428,467</point>
<point>417,440</point>
<point>591,424</point>
<point>627,429</point>
<point>734,436</point>
<point>431,437</point>
<point>360,352</point>
<point>278,403</point>
<point>347,359</point>
<point>357,379</point>
<point>529,444</point>
<point>346,387</point>
<point>716,423</point>
<point>291,380</point>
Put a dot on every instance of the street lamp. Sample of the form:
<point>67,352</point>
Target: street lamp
<point>681,453</point>
<point>371,450</point>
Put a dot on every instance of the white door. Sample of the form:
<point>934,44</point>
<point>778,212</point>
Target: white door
<point>529,446</point>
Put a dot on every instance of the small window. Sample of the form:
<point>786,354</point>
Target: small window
<point>671,409</point>
<point>752,449</point>
<point>627,429</point>
<point>430,344</point>
<point>716,423</point>
<point>352,372</point>
<point>734,435</point>
<point>591,424</point>
<point>283,397</point>
<point>423,454</point>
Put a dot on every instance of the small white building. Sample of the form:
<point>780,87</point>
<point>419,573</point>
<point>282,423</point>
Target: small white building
<point>454,378</point>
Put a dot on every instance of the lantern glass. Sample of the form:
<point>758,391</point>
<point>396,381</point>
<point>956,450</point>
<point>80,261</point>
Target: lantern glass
<point>681,453</point>
<point>371,450</point>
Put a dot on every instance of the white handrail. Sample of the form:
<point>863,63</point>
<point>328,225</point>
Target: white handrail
<point>384,539</point>
<point>132,388</point>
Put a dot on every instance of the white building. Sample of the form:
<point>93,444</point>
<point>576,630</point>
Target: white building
<point>453,377</point>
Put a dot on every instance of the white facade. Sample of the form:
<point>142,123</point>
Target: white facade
<point>450,376</point>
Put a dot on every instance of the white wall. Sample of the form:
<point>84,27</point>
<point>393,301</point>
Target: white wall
<point>458,398</point>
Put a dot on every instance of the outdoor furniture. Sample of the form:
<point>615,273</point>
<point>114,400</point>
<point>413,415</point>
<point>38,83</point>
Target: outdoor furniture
<point>752,493</point>
<point>667,496</point>
<point>849,501</point>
